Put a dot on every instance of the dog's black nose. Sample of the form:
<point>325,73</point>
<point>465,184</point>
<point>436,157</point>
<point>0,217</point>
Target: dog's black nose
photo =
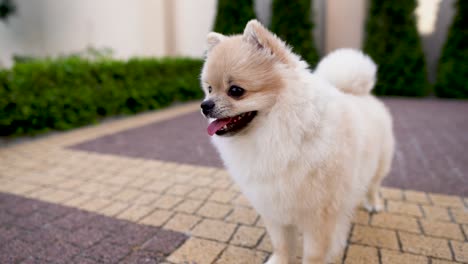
<point>207,106</point>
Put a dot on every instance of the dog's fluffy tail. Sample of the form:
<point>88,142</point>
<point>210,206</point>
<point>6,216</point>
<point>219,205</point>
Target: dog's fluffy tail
<point>349,70</point>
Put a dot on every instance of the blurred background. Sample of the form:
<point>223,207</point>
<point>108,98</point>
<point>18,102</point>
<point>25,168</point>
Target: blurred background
<point>178,27</point>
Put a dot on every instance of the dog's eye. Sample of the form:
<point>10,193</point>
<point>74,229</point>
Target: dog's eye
<point>209,89</point>
<point>235,91</point>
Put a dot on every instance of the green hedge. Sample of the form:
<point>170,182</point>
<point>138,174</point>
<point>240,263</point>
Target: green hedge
<point>292,22</point>
<point>393,42</point>
<point>232,16</point>
<point>452,78</point>
<point>71,92</point>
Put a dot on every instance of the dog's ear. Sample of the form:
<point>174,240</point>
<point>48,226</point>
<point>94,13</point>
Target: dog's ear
<point>260,37</point>
<point>213,39</point>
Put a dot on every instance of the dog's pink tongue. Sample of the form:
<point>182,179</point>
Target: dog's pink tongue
<point>217,125</point>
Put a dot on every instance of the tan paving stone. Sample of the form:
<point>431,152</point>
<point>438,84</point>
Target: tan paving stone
<point>214,229</point>
<point>447,200</point>
<point>440,261</point>
<point>70,184</point>
<point>260,222</point>
<point>147,198</point>
<point>196,250</point>
<point>78,200</point>
<point>238,255</point>
<point>156,218</point>
<point>41,192</point>
<point>376,237</point>
<point>243,215</point>
<point>22,188</point>
<point>127,195</point>
<point>179,189</point>
<point>214,210</point>
<point>182,178</point>
<point>404,208</point>
<point>135,212</point>
<point>114,208</point>
<point>460,249</point>
<point>428,246</point>
<point>361,255</point>
<point>221,184</point>
<point>201,181</point>
<point>157,186</point>
<point>247,236</point>
<point>391,193</point>
<point>460,215</point>
<point>94,204</point>
<point>90,187</point>
<point>188,206</point>
<point>57,196</point>
<point>241,200</point>
<point>361,217</point>
<point>200,193</point>
<point>338,259</point>
<point>139,182</point>
<point>465,230</point>
<point>442,229</point>
<point>223,196</point>
<point>436,213</point>
<point>265,244</point>
<point>182,222</point>
<point>417,197</point>
<point>395,257</point>
<point>399,222</point>
<point>168,201</point>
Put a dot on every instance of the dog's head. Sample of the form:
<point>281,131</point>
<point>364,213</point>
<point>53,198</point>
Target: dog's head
<point>241,77</point>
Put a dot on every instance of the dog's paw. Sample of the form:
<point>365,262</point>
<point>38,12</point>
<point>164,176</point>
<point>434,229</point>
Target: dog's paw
<point>374,206</point>
<point>276,259</point>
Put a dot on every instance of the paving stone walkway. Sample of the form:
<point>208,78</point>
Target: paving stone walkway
<point>61,204</point>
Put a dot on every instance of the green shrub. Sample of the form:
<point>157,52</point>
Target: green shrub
<point>65,93</point>
<point>452,78</point>
<point>232,16</point>
<point>292,22</point>
<point>393,42</point>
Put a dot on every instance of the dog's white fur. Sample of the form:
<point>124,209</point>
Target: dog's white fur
<point>319,145</point>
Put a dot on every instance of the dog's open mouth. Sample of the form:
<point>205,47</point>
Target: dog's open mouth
<point>230,124</point>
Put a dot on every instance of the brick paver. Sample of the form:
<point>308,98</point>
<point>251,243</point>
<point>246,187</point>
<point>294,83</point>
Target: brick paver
<point>90,207</point>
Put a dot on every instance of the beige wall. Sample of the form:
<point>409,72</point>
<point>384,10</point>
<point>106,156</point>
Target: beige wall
<point>344,23</point>
<point>53,27</point>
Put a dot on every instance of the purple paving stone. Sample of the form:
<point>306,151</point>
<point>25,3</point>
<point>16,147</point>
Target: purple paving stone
<point>143,257</point>
<point>47,233</point>
<point>57,252</point>
<point>165,242</point>
<point>5,217</point>
<point>132,235</point>
<point>8,233</point>
<point>15,251</point>
<point>24,207</point>
<point>106,252</point>
<point>68,235</point>
<point>74,220</point>
<point>83,260</point>
<point>107,224</point>
<point>34,220</point>
<point>55,210</point>
<point>85,237</point>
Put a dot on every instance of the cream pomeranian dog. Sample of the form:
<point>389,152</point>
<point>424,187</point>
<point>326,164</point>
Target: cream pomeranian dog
<point>305,147</point>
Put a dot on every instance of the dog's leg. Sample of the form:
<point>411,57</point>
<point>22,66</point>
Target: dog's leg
<point>319,236</point>
<point>283,239</point>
